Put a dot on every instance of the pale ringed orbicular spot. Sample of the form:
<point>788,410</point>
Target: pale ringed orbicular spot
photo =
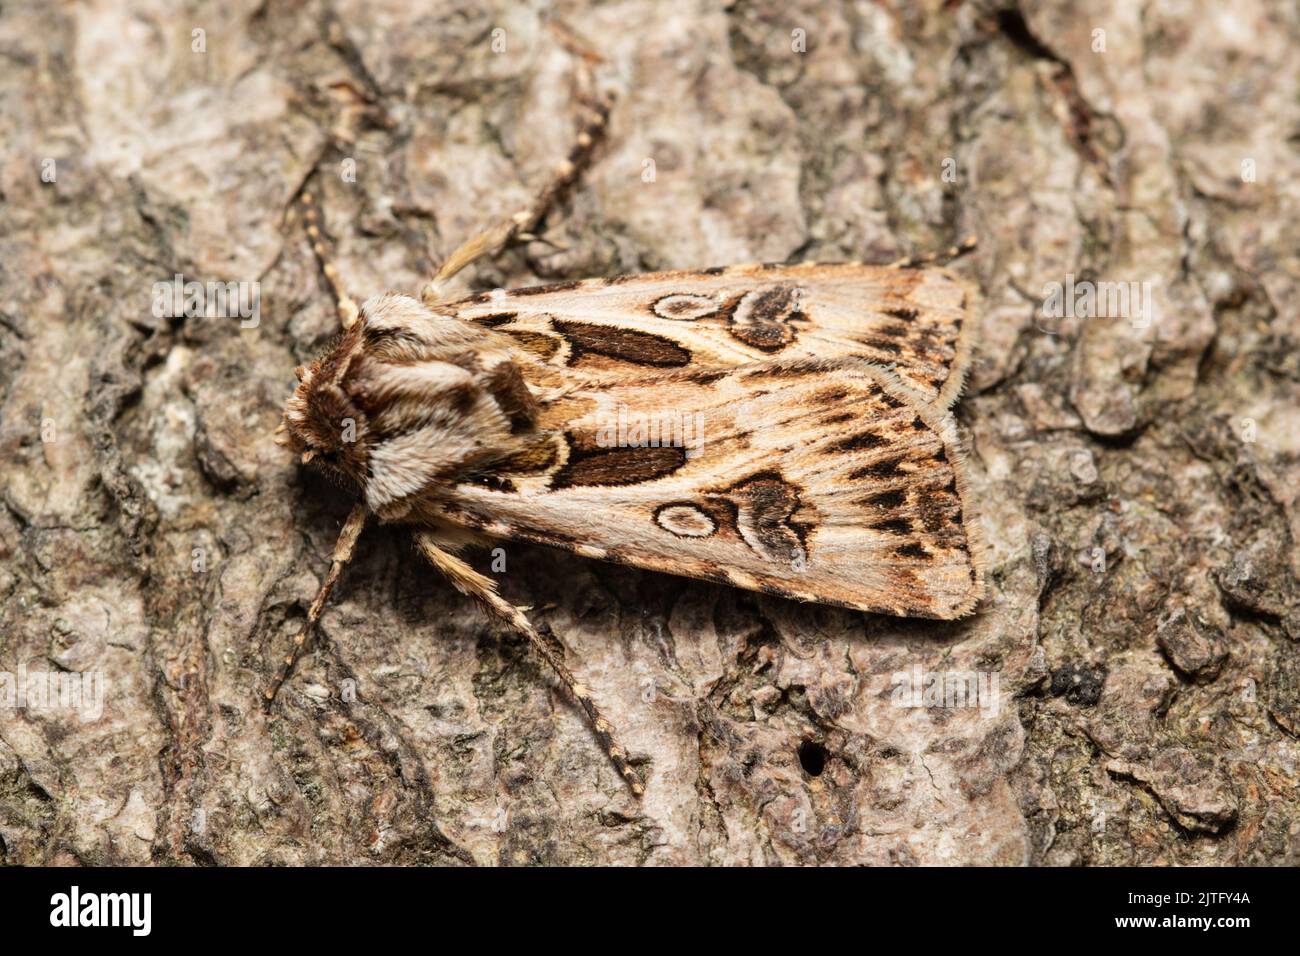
<point>684,307</point>
<point>685,521</point>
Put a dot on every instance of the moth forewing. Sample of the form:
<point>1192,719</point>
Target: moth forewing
<point>780,429</point>
<point>818,480</point>
<point>918,322</point>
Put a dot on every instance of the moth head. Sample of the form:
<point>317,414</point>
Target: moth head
<point>323,425</point>
<point>406,399</point>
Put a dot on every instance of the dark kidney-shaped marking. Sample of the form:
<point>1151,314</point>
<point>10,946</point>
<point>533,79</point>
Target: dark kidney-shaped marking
<point>761,319</point>
<point>764,504</point>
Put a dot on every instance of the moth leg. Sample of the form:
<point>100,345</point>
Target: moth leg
<point>525,221</point>
<point>347,306</point>
<point>343,549</point>
<point>468,581</point>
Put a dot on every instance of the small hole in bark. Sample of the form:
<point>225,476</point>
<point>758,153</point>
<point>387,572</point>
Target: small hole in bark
<point>812,757</point>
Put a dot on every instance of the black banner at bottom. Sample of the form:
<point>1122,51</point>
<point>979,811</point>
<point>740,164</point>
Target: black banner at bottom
<point>341,906</point>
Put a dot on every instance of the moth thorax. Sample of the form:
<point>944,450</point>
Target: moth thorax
<point>409,399</point>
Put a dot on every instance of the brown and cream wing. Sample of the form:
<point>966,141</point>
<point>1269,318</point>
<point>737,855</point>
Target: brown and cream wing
<point>915,321</point>
<point>814,480</point>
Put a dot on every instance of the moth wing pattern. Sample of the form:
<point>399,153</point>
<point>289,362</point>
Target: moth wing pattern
<point>817,480</point>
<point>917,322</point>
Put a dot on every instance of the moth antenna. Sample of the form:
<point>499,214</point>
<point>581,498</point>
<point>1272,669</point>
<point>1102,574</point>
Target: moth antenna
<point>345,304</point>
<point>952,252</point>
<point>468,581</point>
<point>343,549</point>
<point>527,220</point>
<point>574,44</point>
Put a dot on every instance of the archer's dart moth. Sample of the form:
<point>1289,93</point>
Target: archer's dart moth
<point>822,463</point>
<point>828,471</point>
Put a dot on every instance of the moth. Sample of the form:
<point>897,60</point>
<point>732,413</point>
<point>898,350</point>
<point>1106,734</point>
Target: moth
<point>778,428</point>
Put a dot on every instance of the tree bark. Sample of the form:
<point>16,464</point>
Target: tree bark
<point>1138,479</point>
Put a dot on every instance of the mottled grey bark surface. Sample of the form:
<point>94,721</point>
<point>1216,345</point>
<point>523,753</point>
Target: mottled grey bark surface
<point>1138,481</point>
